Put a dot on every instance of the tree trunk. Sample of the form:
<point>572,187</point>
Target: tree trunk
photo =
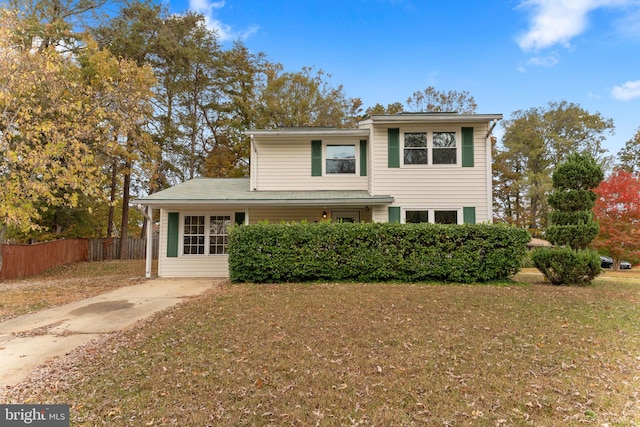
<point>112,199</point>
<point>125,212</point>
<point>3,230</point>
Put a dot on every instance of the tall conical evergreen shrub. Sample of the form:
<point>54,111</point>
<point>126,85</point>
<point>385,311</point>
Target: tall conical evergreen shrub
<point>572,226</point>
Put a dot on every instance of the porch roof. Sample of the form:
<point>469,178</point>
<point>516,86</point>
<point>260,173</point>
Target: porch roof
<point>236,191</point>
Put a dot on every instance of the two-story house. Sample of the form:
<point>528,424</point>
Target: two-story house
<point>422,167</point>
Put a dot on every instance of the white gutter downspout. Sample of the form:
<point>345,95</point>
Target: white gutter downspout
<point>253,165</point>
<point>490,172</point>
<point>148,214</point>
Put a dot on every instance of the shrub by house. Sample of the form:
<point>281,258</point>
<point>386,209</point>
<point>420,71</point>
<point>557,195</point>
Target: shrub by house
<point>374,252</point>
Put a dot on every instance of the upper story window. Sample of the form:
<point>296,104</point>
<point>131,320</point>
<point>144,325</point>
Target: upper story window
<point>430,148</point>
<point>340,159</point>
<point>444,148</point>
<point>416,151</point>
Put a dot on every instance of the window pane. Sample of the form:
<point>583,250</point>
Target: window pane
<point>446,217</point>
<point>341,159</point>
<point>416,156</point>
<point>444,140</point>
<point>444,156</point>
<point>341,166</point>
<point>417,216</point>
<point>341,151</point>
<point>415,139</point>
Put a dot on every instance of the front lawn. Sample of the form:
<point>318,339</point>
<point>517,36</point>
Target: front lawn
<point>366,354</point>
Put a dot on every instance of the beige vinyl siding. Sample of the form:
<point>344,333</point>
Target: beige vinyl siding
<point>314,214</point>
<point>433,187</point>
<point>191,265</point>
<point>286,166</point>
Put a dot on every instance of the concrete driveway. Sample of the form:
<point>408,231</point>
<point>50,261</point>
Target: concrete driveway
<point>30,340</point>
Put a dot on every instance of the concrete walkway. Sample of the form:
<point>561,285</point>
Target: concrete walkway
<point>30,340</point>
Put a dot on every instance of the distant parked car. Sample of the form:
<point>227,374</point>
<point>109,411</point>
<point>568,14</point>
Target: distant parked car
<point>606,262</point>
<point>625,265</point>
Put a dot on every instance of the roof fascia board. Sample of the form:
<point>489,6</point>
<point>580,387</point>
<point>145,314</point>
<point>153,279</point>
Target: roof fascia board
<point>269,202</point>
<point>314,133</point>
<point>429,118</point>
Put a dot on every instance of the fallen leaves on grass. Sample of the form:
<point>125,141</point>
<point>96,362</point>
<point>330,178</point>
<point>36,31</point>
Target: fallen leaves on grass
<point>347,354</point>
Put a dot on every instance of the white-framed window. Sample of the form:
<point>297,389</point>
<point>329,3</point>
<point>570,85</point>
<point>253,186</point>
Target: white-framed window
<point>445,217</point>
<point>431,148</point>
<point>193,235</point>
<point>434,216</point>
<point>417,216</point>
<point>445,150</point>
<point>340,159</point>
<point>205,234</point>
<point>416,151</point>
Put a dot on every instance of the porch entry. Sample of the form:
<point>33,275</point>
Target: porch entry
<point>351,215</point>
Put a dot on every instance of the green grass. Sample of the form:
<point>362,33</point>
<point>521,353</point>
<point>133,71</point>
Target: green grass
<point>370,354</point>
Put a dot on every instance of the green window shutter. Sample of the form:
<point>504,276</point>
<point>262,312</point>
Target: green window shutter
<point>467,147</point>
<point>316,158</point>
<point>240,218</point>
<point>469,215</point>
<point>394,214</point>
<point>363,157</point>
<point>173,227</point>
<point>393,137</point>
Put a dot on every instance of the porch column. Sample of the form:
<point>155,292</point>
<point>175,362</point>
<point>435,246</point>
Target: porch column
<point>149,256</point>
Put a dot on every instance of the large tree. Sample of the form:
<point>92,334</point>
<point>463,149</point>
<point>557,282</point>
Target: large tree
<point>629,156</point>
<point>535,142</point>
<point>56,23</point>
<point>58,122</point>
<point>433,100</point>
<point>430,100</point>
<point>617,209</point>
<point>305,98</point>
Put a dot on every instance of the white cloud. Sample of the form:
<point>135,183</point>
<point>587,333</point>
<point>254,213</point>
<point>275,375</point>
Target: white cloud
<point>629,24</point>
<point>226,32</point>
<point>544,61</point>
<point>558,21</point>
<point>627,91</point>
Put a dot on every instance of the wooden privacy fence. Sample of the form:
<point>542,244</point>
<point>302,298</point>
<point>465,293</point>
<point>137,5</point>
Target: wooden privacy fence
<point>27,260</point>
<point>104,249</point>
<point>18,261</point>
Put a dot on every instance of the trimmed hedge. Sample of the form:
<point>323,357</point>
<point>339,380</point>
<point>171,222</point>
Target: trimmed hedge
<point>374,252</point>
<point>567,266</point>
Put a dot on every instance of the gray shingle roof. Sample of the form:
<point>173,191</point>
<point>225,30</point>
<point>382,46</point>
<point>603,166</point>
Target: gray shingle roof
<point>237,191</point>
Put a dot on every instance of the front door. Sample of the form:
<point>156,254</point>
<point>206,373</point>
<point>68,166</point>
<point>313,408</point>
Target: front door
<point>351,215</point>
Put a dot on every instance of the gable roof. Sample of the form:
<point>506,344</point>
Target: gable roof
<point>429,118</point>
<point>236,191</point>
<point>384,119</point>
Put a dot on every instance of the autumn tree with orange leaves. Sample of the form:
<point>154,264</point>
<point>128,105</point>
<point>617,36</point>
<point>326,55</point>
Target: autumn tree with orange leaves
<point>617,209</point>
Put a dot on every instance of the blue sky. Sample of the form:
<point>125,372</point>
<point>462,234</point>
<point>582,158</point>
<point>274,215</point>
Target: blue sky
<point>509,54</point>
